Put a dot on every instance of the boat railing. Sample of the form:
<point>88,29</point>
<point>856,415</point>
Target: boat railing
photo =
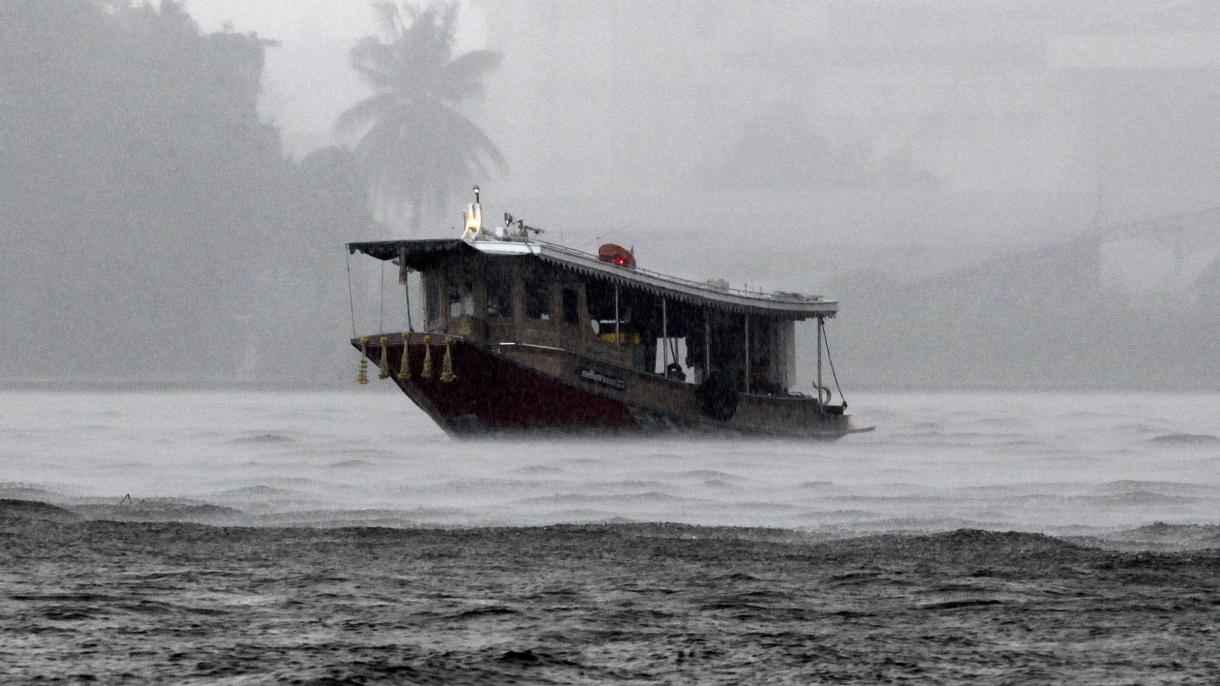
<point>778,296</point>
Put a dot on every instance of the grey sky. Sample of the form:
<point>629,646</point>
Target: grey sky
<point>785,144</point>
<point>1034,121</point>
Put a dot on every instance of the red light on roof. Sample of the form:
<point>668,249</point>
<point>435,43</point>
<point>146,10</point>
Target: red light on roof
<point>616,255</point>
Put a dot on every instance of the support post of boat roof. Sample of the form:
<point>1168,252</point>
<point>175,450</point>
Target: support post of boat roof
<point>404,275</point>
<point>618,334</point>
<point>664,340</point>
<point>442,298</point>
<point>747,352</point>
<point>707,344</point>
<point>518,299</point>
<point>821,323</point>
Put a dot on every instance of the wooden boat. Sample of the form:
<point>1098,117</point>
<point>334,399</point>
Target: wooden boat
<point>524,336</point>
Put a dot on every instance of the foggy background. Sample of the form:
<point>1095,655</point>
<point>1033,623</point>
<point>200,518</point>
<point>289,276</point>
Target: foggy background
<point>1002,195</point>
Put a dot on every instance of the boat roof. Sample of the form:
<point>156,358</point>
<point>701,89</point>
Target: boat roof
<point>425,253</point>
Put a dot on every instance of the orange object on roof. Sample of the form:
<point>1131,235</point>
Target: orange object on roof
<point>617,255</point>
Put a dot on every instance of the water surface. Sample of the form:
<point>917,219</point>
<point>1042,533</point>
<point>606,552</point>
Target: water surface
<point>341,538</point>
<point>1053,463</point>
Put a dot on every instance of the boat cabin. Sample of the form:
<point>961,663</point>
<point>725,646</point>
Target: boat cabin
<point>537,295</point>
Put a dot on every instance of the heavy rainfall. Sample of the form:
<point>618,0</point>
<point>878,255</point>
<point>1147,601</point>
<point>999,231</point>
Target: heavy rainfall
<point>1016,205</point>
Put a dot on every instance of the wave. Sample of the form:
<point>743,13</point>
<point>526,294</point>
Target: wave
<point>850,515</point>
<point>484,611</point>
<point>815,485</point>
<point>277,481</point>
<point>1011,543</point>
<point>618,509</point>
<point>34,510</point>
<point>758,506</point>
<point>1177,488</point>
<point>22,491</point>
<point>1016,421</point>
<point>161,510</point>
<point>907,526</point>
<point>181,572</point>
<point>700,475</point>
<point>583,515</point>
<point>887,499</point>
<point>379,517</point>
<point>1140,427</point>
<point>262,439</point>
<point>1139,498</point>
<point>477,486</point>
<point>577,461</point>
<point>935,540</point>
<point>1158,536</point>
<point>1164,529</point>
<point>966,603</point>
<point>646,498</point>
<point>257,491</point>
<point>1023,443</point>
<point>347,464</point>
<point>1185,439</point>
<point>538,469</point>
<point>630,484</point>
<point>1123,497</point>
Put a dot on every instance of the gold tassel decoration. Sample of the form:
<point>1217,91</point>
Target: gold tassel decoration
<point>404,369</point>
<point>447,375</point>
<point>426,372</point>
<point>383,367</point>
<point>362,374</point>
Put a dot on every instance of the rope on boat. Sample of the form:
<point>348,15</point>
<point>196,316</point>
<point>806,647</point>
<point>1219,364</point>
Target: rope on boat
<point>826,342</point>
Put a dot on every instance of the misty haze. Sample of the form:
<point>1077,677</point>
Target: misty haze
<point>267,264</point>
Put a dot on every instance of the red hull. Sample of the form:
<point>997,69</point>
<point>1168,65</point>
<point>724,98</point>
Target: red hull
<point>490,393</point>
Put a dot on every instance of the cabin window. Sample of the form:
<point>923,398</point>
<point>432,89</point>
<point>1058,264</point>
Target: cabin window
<point>600,296</point>
<point>571,313</point>
<point>537,300</point>
<point>461,298</point>
<point>669,354</point>
<point>499,296</point>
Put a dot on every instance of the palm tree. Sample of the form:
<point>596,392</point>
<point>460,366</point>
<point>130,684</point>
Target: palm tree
<point>416,147</point>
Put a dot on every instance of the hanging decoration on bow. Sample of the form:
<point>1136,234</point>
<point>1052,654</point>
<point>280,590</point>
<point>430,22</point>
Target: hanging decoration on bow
<point>426,371</point>
<point>404,368</point>
<point>383,367</point>
<point>447,375</point>
<point>362,372</point>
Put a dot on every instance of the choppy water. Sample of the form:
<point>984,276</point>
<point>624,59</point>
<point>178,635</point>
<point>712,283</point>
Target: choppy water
<point>1038,462</point>
<point>874,564</point>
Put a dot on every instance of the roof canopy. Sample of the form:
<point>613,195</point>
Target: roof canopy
<point>425,254</point>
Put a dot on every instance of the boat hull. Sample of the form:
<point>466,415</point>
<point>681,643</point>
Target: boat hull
<point>490,392</point>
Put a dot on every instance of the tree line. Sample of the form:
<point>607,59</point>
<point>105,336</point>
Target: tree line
<point>155,229</point>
